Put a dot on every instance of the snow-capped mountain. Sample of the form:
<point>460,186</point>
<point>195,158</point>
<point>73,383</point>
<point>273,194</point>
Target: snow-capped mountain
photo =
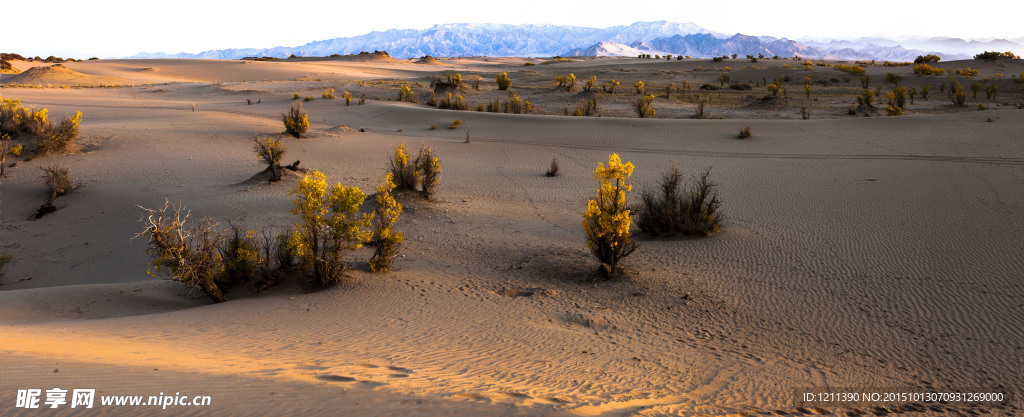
<point>472,39</point>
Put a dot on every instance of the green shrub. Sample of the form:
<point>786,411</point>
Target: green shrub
<point>975,87</point>
<point>329,94</point>
<point>956,91</point>
<point>745,133</point>
<point>865,81</point>
<point>296,122</point>
<point>455,124</point>
<point>639,87</point>
<point>893,78</point>
<point>991,92</point>
<point>927,59</point>
<point>348,98</point>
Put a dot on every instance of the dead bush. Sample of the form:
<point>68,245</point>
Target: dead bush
<point>671,211</point>
<point>553,169</point>
<point>192,255</point>
<point>429,168</point>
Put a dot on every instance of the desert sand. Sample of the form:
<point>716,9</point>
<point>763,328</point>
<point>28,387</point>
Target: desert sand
<point>879,252</point>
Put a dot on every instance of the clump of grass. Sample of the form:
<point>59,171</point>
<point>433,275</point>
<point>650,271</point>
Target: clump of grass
<point>455,124</point>
<point>553,169</point>
<point>296,96</point>
<point>673,211</point>
<point>745,133</point>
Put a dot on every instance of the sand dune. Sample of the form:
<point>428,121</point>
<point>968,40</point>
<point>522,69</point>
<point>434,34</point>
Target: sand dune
<point>857,252</point>
<point>60,75</point>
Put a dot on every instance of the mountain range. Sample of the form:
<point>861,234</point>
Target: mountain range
<point>471,39</point>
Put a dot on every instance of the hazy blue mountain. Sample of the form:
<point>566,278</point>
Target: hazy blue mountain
<point>472,39</point>
<point>463,39</point>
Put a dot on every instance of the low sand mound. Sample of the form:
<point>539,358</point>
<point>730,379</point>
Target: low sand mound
<point>429,60</point>
<point>377,57</point>
<point>58,74</point>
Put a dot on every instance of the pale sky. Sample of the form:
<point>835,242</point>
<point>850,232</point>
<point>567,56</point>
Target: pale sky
<point>108,29</point>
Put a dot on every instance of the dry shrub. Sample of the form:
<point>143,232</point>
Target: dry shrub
<point>745,133</point>
<point>553,169</point>
<point>296,122</point>
<point>455,124</point>
<point>58,182</point>
<point>329,94</point>
<point>642,106</point>
<point>192,255</point>
<point>4,260</point>
<point>60,138</point>
<point>429,168</point>
<point>672,211</point>
<point>454,103</point>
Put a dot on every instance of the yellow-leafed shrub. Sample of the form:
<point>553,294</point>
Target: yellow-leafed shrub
<point>296,122</point>
<point>403,169</point>
<point>384,238</point>
<point>329,224</point>
<point>503,81</point>
<point>607,218</point>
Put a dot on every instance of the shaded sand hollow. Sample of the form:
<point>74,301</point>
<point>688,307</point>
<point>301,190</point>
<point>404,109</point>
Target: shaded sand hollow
<point>857,252</point>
